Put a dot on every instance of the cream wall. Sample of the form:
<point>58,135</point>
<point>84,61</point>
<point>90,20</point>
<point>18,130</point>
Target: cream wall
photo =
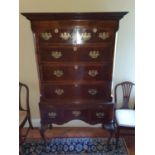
<point>124,58</point>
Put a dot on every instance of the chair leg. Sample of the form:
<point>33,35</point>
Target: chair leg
<point>30,122</point>
<point>109,139</point>
<point>117,137</point>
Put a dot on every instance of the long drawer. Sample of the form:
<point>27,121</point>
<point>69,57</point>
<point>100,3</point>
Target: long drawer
<point>62,72</point>
<point>76,53</point>
<point>91,114</point>
<point>87,90</point>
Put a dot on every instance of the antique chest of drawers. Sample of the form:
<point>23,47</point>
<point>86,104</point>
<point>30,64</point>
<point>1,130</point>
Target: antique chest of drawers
<point>75,53</point>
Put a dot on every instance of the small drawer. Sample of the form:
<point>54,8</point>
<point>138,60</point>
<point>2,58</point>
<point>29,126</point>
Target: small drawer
<point>50,114</point>
<point>102,114</point>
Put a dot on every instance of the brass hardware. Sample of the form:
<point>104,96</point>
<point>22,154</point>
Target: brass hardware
<point>75,85</point>
<point>65,35</point>
<point>56,54</point>
<point>52,114</point>
<point>94,30</point>
<point>85,36</point>
<point>76,113</point>
<point>92,92</point>
<point>58,73</point>
<point>104,35</point>
<point>74,48</point>
<point>59,91</point>
<point>92,73</point>
<point>56,30</point>
<point>100,114</point>
<point>76,67</point>
<point>94,54</point>
<point>46,35</point>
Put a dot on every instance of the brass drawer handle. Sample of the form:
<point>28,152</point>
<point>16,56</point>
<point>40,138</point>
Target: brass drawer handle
<point>94,54</point>
<point>46,35</point>
<point>58,73</point>
<point>92,73</point>
<point>52,114</point>
<point>92,92</point>
<point>100,114</point>
<point>104,35</point>
<point>65,35</point>
<point>85,36</point>
<point>56,54</point>
<point>76,113</point>
<point>59,91</point>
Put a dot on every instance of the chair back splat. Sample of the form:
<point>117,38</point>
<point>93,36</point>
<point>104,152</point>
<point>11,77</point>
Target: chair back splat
<point>126,89</point>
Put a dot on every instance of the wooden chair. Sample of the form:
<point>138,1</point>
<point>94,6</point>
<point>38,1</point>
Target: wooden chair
<point>124,116</point>
<point>24,110</point>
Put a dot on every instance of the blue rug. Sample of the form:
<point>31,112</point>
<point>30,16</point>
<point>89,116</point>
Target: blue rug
<point>73,146</point>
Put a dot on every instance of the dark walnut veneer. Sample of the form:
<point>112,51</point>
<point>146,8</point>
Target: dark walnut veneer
<point>75,54</point>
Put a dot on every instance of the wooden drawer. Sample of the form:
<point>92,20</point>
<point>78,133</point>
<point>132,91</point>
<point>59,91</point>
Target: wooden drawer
<point>88,90</point>
<point>75,32</point>
<point>76,35</point>
<point>76,53</point>
<point>76,72</point>
<point>50,113</point>
<point>92,114</point>
<point>102,114</point>
<point>76,113</point>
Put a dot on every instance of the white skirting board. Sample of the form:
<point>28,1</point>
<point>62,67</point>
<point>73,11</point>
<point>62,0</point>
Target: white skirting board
<point>73,123</point>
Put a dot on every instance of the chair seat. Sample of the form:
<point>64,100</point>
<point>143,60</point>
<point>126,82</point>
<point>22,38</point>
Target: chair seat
<point>22,116</point>
<point>125,117</point>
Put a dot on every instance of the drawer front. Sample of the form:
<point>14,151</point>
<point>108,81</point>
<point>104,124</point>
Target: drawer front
<point>102,114</point>
<point>81,114</point>
<point>50,114</point>
<point>76,35</point>
<point>76,72</point>
<point>77,91</point>
<point>75,32</point>
<point>76,53</point>
<point>91,114</point>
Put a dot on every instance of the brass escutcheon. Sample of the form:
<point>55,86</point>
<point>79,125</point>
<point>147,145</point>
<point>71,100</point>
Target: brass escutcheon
<point>56,30</point>
<point>94,30</point>
<point>74,48</point>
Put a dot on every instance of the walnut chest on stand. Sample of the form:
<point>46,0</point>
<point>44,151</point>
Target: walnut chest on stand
<point>75,53</point>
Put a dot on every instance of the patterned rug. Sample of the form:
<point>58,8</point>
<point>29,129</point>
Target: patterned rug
<point>73,146</point>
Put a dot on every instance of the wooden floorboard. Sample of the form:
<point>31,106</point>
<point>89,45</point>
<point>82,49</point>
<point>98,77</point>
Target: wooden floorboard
<point>80,132</point>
